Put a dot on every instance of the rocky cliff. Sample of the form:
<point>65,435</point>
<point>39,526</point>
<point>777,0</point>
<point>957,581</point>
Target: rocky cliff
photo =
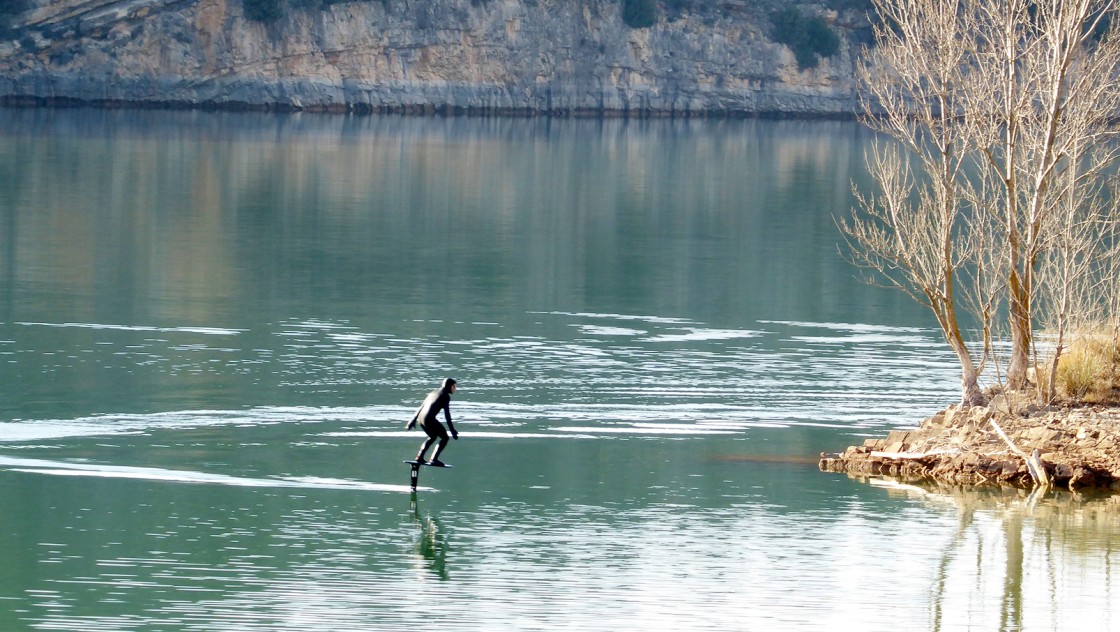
<point>463,56</point>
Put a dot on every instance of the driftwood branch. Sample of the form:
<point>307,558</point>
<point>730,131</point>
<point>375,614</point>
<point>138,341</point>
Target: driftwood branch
<point>1034,463</point>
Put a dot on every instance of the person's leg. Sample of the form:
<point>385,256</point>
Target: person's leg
<point>424,448</point>
<point>439,448</point>
<point>436,431</point>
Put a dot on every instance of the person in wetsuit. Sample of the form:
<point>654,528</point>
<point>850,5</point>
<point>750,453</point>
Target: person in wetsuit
<point>437,400</point>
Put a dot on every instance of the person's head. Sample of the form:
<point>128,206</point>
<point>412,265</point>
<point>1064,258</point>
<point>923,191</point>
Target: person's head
<point>449,385</point>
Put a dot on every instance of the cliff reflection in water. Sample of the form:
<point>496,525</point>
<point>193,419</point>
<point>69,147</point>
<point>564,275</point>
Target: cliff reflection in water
<point>187,213</point>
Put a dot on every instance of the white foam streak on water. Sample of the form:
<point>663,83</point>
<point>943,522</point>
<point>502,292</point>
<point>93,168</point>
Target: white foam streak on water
<point>648,429</point>
<point>139,423</point>
<point>70,468</point>
<point>597,330</point>
<point>209,331</point>
<point>845,326</point>
<point>474,435</point>
<point>701,334</point>
<point>658,320</point>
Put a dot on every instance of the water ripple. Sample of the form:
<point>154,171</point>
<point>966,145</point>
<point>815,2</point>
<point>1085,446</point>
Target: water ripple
<point>670,372</point>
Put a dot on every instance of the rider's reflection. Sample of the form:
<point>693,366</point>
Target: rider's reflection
<point>431,545</point>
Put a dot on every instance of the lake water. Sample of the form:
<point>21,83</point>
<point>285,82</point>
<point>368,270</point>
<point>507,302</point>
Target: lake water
<point>214,326</point>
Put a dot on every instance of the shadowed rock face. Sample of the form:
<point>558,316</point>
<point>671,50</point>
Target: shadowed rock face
<point>457,56</point>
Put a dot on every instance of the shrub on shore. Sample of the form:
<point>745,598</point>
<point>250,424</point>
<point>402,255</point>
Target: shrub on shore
<point>810,38</point>
<point>265,11</point>
<point>9,12</point>
<point>639,14</point>
<point>1087,370</point>
<point>12,8</point>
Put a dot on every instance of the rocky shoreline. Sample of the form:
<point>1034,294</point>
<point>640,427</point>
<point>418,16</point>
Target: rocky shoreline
<point>1077,446</point>
<point>426,109</point>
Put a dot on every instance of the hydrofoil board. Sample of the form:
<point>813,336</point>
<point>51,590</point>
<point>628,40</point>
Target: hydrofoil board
<point>429,464</point>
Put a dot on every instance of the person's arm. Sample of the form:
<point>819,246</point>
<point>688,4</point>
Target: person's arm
<point>447,414</point>
<point>412,423</point>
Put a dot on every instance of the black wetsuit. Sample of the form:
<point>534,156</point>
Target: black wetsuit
<point>437,400</point>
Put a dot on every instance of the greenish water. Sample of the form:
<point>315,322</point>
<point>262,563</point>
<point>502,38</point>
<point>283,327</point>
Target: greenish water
<point>213,327</point>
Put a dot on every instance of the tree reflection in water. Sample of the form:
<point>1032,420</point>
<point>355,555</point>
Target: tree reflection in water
<point>1028,553</point>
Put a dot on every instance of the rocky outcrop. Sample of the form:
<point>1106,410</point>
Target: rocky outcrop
<point>1078,447</point>
<point>493,56</point>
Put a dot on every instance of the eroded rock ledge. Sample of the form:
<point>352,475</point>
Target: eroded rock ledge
<point>1079,447</point>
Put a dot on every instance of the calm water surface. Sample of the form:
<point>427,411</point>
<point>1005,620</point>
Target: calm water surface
<point>213,326</point>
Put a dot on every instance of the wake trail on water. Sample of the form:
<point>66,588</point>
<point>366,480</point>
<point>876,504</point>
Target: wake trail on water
<point>70,468</point>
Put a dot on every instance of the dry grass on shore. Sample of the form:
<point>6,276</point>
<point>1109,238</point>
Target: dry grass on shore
<point>1088,371</point>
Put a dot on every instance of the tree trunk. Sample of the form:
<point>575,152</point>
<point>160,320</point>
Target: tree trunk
<point>970,387</point>
<point>1020,320</point>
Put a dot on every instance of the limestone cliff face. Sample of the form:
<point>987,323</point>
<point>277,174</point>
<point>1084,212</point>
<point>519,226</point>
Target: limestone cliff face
<point>529,56</point>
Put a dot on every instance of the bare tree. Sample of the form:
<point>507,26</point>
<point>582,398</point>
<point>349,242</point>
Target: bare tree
<point>1109,274</point>
<point>1069,290</point>
<point>1043,91</point>
<point>910,232</point>
<point>1000,111</point>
